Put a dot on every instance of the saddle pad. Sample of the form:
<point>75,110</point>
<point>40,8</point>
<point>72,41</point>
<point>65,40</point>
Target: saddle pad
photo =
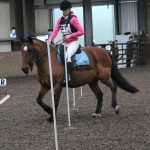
<point>81,59</point>
<point>78,59</point>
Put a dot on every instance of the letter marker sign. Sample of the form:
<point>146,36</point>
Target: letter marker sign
<point>3,82</point>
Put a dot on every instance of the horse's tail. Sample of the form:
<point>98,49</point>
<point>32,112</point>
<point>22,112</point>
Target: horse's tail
<point>120,80</point>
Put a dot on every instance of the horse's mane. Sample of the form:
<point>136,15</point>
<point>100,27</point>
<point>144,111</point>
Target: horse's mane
<point>40,43</point>
<point>44,44</point>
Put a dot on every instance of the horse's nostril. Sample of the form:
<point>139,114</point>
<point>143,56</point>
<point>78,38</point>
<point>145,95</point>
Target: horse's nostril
<point>25,70</point>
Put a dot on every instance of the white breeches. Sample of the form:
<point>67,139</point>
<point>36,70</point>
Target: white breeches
<point>70,49</point>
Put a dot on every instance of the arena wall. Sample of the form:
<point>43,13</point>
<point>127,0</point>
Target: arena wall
<point>10,65</point>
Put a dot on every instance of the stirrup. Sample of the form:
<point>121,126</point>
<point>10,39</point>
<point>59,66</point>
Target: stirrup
<point>68,78</point>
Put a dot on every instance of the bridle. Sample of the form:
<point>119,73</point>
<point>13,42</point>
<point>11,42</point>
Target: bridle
<point>34,60</point>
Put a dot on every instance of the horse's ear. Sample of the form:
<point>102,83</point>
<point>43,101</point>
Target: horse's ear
<point>29,39</point>
<point>22,39</point>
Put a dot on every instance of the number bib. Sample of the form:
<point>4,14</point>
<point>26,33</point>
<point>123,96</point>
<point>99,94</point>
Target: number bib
<point>65,29</point>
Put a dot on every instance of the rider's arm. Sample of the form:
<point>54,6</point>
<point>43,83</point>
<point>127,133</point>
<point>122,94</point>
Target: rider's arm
<point>55,31</point>
<point>74,21</point>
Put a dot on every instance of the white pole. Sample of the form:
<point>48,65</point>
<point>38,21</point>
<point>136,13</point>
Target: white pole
<point>52,94</point>
<point>4,99</point>
<point>74,105</point>
<point>68,106</point>
<point>81,92</point>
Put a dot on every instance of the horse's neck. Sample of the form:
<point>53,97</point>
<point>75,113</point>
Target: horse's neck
<point>42,64</point>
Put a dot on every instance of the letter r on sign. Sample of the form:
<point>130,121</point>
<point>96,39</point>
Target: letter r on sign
<point>3,82</point>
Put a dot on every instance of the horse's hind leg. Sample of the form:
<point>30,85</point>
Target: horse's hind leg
<point>113,88</point>
<point>99,95</point>
<point>114,99</point>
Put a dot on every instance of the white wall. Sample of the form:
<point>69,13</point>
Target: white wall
<point>42,20</point>
<point>5,46</point>
<point>128,17</point>
<point>39,2</point>
<point>103,23</point>
<point>5,28</point>
<point>4,19</point>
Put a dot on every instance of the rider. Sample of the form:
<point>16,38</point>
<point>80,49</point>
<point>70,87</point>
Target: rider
<point>70,28</point>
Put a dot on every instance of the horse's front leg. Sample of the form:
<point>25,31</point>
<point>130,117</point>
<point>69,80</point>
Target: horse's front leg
<point>39,98</point>
<point>57,93</point>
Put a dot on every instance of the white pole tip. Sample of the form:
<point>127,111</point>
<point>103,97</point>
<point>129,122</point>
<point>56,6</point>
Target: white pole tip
<point>4,99</point>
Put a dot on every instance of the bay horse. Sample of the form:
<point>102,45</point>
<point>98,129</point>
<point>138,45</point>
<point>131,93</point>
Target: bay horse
<point>102,67</point>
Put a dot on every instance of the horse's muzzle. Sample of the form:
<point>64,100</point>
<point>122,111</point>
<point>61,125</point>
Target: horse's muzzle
<point>25,70</point>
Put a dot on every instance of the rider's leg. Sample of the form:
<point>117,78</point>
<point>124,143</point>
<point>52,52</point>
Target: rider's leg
<point>71,50</point>
<point>69,70</point>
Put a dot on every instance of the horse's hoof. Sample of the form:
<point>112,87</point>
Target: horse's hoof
<point>117,110</point>
<point>95,115</point>
<point>50,119</point>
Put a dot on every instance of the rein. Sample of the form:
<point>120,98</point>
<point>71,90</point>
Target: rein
<point>56,46</point>
<point>34,60</point>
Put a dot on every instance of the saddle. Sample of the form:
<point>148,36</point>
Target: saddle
<point>80,58</point>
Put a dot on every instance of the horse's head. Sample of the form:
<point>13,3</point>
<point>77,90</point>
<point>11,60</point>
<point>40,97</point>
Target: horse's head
<point>29,54</point>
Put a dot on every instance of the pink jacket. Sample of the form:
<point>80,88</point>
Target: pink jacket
<point>73,36</point>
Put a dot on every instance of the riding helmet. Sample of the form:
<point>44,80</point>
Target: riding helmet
<point>65,4</point>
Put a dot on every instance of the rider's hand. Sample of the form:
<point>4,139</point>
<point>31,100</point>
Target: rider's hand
<point>67,36</point>
<point>49,42</point>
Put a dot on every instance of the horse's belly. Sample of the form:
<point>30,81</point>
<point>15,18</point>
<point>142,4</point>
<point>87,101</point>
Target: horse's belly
<point>81,78</point>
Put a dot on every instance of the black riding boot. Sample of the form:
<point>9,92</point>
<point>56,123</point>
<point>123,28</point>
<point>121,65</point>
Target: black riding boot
<point>69,71</point>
